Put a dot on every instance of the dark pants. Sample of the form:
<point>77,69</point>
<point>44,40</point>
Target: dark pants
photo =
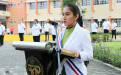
<point>21,36</point>
<point>94,32</point>
<point>12,32</point>
<point>106,31</point>
<point>36,38</point>
<point>46,33</point>
<point>1,40</point>
<point>54,36</point>
<point>114,33</point>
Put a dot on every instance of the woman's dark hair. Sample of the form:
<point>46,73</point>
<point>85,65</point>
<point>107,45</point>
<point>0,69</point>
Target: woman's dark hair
<point>74,8</point>
<point>36,20</point>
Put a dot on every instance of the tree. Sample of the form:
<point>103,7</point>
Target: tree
<point>65,2</point>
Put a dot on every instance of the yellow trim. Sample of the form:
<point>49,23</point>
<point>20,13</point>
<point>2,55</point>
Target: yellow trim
<point>10,38</point>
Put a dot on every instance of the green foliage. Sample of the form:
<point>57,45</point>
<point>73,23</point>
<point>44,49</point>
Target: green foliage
<point>95,38</point>
<point>105,37</point>
<point>65,2</point>
<point>108,55</point>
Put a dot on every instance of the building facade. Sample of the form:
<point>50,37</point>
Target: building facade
<point>3,12</point>
<point>28,10</point>
<point>99,10</point>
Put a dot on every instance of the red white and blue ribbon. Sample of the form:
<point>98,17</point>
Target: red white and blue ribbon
<point>69,62</point>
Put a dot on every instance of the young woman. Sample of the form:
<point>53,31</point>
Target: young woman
<point>36,29</point>
<point>76,40</point>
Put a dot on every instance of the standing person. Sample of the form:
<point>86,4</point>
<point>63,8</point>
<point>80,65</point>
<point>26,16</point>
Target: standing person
<point>36,31</point>
<point>53,32</point>
<point>94,27</point>
<point>113,28</point>
<point>46,26</point>
<point>11,29</point>
<point>106,26</point>
<point>2,33</point>
<point>21,30</point>
<point>76,40</point>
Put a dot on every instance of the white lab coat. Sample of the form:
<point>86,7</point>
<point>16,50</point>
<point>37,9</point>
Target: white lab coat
<point>78,41</point>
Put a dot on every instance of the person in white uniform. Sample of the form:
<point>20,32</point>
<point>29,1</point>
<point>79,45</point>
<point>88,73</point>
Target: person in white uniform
<point>106,26</point>
<point>113,28</point>
<point>94,27</point>
<point>2,33</point>
<point>76,40</point>
<point>21,30</point>
<point>36,31</point>
<point>46,27</point>
<point>53,32</point>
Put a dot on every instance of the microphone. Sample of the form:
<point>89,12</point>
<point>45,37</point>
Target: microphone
<point>52,22</point>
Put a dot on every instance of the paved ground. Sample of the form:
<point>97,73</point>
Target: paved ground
<point>12,62</point>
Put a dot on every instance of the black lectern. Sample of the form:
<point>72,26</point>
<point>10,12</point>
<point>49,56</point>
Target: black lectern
<point>41,58</point>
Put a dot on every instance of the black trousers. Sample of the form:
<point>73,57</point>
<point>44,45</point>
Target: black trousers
<point>12,32</point>
<point>1,40</point>
<point>46,33</point>
<point>36,38</point>
<point>114,33</point>
<point>21,36</point>
<point>54,36</point>
<point>94,32</point>
<point>106,31</point>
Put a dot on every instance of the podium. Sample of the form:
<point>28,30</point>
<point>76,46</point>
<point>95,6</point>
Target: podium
<point>41,58</point>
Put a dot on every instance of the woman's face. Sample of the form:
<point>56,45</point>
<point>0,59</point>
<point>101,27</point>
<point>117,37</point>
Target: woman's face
<point>69,19</point>
<point>35,21</point>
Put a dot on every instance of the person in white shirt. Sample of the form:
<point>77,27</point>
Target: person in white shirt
<point>21,30</point>
<point>106,26</point>
<point>36,31</point>
<point>113,28</point>
<point>46,27</point>
<point>94,27</point>
<point>2,33</point>
<point>53,32</point>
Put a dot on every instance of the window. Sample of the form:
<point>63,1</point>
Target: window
<point>12,22</point>
<point>42,5</point>
<point>42,23</point>
<point>31,24</point>
<point>3,7</point>
<point>118,21</point>
<point>32,5</point>
<point>87,23</point>
<point>101,2</point>
<point>118,1</point>
<point>86,2</point>
<point>20,4</point>
<point>9,5</point>
<point>56,4</point>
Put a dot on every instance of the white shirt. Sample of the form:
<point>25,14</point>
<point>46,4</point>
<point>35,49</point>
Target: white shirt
<point>2,29</point>
<point>36,29</point>
<point>106,25</point>
<point>21,28</point>
<point>46,26</point>
<point>113,25</point>
<point>53,30</point>
<point>63,26</point>
<point>94,27</point>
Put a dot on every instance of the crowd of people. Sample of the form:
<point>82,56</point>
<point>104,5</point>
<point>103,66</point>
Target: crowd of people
<point>106,27</point>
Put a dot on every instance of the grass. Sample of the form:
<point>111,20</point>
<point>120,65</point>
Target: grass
<point>112,45</point>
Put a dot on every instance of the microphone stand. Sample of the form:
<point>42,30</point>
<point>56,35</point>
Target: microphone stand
<point>57,50</point>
